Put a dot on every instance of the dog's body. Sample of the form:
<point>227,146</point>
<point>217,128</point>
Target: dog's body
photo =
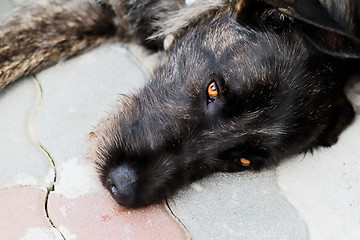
<point>245,84</point>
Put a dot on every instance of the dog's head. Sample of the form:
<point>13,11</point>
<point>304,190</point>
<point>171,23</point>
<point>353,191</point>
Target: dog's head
<point>242,88</point>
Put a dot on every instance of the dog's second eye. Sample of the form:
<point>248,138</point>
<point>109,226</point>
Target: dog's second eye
<point>212,91</point>
<point>243,161</point>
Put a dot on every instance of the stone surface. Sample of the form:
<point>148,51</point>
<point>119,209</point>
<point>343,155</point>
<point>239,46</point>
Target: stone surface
<point>325,186</point>
<point>237,206</point>
<point>146,59</point>
<point>353,93</point>
<point>23,216</point>
<point>22,161</point>
<point>5,6</point>
<point>98,217</point>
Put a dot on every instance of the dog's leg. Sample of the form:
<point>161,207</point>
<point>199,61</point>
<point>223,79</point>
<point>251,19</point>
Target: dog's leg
<point>35,36</point>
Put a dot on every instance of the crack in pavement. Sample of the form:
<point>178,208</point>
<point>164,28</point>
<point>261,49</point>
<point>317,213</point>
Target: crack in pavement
<point>168,208</point>
<point>35,139</point>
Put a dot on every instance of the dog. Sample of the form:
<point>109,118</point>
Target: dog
<point>244,83</point>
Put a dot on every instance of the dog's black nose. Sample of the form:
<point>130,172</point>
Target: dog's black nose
<point>121,184</point>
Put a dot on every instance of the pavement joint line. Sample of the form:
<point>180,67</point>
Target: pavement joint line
<point>138,61</point>
<point>30,126</point>
<point>35,139</point>
<point>32,133</point>
<point>48,216</point>
<point>168,208</point>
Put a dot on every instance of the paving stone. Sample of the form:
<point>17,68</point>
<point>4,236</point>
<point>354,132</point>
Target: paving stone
<point>76,94</point>
<point>237,206</point>
<point>353,93</point>
<point>98,217</point>
<point>23,215</point>
<point>148,60</point>
<point>22,161</point>
<point>5,7</point>
<point>18,2</point>
<point>325,187</point>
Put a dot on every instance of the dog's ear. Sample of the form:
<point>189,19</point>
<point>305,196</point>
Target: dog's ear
<point>319,28</point>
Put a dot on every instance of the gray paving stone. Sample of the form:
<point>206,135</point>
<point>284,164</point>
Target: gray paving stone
<point>146,59</point>
<point>238,206</point>
<point>22,162</point>
<point>18,2</point>
<point>5,6</point>
<point>325,186</point>
<point>76,94</point>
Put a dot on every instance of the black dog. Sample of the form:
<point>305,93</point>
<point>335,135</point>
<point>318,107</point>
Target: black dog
<point>245,84</point>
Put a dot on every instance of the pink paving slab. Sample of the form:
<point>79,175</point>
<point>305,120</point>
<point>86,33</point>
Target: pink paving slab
<point>97,217</point>
<point>22,213</point>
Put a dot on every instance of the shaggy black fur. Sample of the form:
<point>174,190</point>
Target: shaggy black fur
<point>278,96</point>
<point>245,84</point>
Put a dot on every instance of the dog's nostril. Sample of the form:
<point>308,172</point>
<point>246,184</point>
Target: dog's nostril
<point>112,188</point>
<point>121,184</point>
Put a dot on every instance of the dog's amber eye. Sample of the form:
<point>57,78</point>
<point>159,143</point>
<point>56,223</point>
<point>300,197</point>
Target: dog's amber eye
<point>212,90</point>
<point>245,162</point>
